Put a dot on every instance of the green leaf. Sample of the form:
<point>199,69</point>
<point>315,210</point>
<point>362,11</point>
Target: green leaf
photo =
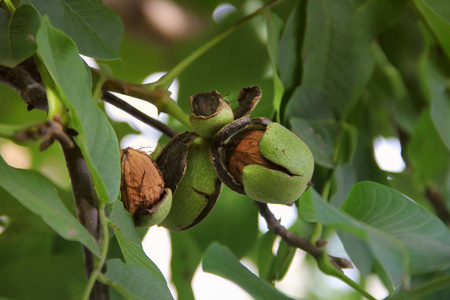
<point>439,26</point>
<point>440,106</point>
<point>310,103</point>
<point>222,262</point>
<point>289,62</point>
<point>36,193</point>
<point>265,255</point>
<point>135,282</point>
<point>17,35</point>
<point>346,144</point>
<point>379,15</point>
<point>425,237</point>
<point>274,25</point>
<point>318,138</point>
<point>390,252</point>
<point>186,255</point>
<point>129,240</point>
<point>336,53</point>
<point>96,137</point>
<point>427,153</point>
<point>95,28</point>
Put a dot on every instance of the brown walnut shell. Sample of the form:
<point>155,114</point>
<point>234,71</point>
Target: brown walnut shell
<point>142,184</point>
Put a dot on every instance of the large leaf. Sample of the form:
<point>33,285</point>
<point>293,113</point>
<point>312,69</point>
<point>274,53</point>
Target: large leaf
<point>96,137</point>
<point>274,25</point>
<point>17,35</point>
<point>379,15</point>
<point>95,28</point>
<point>135,282</point>
<point>427,153</point>
<point>336,54</point>
<point>36,193</point>
<point>129,240</point>
<point>425,237</point>
<point>440,106</point>
<point>289,62</point>
<point>222,262</point>
<point>317,136</point>
<point>438,25</point>
<point>371,243</point>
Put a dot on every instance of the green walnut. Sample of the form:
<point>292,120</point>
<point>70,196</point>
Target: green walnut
<point>187,170</point>
<point>210,112</point>
<point>263,160</point>
<point>142,188</point>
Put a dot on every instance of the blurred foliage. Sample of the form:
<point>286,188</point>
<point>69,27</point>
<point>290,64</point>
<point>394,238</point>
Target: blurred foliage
<point>351,71</point>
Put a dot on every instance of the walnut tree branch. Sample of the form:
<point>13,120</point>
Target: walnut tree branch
<point>119,103</point>
<point>297,241</point>
<point>20,80</point>
<point>86,207</point>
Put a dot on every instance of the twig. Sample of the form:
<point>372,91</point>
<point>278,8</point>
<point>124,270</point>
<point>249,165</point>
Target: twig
<point>31,91</point>
<point>119,103</point>
<point>160,98</point>
<point>297,241</point>
<point>87,210</point>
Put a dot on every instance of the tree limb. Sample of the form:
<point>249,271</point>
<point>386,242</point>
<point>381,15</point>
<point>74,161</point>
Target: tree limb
<point>297,241</point>
<point>121,104</point>
<point>31,91</point>
<point>86,207</point>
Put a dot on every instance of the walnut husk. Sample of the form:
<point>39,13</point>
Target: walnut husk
<point>247,153</point>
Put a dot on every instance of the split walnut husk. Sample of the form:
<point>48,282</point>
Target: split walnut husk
<point>263,160</point>
<point>142,188</point>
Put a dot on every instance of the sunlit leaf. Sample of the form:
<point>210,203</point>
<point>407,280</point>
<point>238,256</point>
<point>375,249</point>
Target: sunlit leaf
<point>96,137</point>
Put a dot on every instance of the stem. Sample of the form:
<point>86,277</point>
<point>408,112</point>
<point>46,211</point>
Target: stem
<point>10,6</point>
<point>104,243</point>
<point>121,104</point>
<point>425,288</point>
<point>55,105</point>
<point>165,81</point>
<point>31,91</point>
<point>161,99</point>
<point>328,264</point>
<point>88,215</point>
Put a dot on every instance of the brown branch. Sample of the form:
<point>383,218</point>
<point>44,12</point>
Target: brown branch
<point>87,209</point>
<point>31,90</point>
<point>297,241</point>
<point>121,104</point>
